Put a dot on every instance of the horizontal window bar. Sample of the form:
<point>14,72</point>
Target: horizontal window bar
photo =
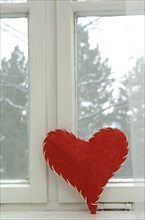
<point>14,181</point>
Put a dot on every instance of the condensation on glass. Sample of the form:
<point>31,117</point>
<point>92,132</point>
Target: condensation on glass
<point>14,100</point>
<point>110,82</point>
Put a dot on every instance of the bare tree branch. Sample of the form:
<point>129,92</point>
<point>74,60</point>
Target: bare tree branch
<point>13,104</point>
<point>120,105</point>
<point>14,86</point>
<point>91,22</point>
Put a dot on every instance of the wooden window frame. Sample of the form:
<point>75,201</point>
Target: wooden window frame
<point>52,100</point>
<point>21,191</point>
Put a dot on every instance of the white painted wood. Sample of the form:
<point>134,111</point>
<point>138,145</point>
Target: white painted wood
<point>15,193</point>
<point>112,193</point>
<point>65,74</point>
<point>109,7</point>
<point>119,191</point>
<point>71,215</point>
<point>36,190</point>
<point>51,87</point>
<point>52,81</point>
<point>37,50</point>
<point>13,10</point>
<point>114,206</point>
<point>65,67</point>
<point>13,182</point>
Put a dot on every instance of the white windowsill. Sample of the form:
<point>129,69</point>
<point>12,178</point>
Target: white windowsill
<point>46,215</point>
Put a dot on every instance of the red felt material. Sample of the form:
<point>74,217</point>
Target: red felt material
<point>86,165</point>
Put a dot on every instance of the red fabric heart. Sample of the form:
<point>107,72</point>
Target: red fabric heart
<point>86,165</point>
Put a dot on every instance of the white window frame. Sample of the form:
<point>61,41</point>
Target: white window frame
<point>52,71</point>
<point>115,191</point>
<point>36,190</point>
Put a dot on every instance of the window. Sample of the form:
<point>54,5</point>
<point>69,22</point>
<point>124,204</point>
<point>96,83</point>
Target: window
<point>14,100</point>
<point>23,116</point>
<point>54,90</point>
<point>110,71</point>
<point>84,99</point>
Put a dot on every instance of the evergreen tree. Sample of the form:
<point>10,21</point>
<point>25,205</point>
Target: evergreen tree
<point>14,114</point>
<point>99,103</point>
<point>136,90</point>
<point>137,113</point>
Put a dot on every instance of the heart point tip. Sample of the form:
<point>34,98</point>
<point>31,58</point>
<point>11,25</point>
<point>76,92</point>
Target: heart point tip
<point>93,212</point>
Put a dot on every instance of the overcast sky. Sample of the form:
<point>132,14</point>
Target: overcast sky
<point>121,39</point>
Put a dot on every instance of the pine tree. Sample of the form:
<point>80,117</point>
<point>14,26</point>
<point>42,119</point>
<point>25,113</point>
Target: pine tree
<point>137,113</point>
<point>14,115</point>
<point>98,103</point>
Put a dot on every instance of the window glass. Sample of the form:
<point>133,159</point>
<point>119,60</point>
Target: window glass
<point>110,63</point>
<point>14,100</point>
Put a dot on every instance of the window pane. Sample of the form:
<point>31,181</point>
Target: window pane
<point>109,71</point>
<point>14,112</point>
<point>12,1</point>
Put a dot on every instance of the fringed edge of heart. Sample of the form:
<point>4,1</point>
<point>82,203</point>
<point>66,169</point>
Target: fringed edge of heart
<point>74,186</point>
<point>85,198</point>
<point>60,175</point>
